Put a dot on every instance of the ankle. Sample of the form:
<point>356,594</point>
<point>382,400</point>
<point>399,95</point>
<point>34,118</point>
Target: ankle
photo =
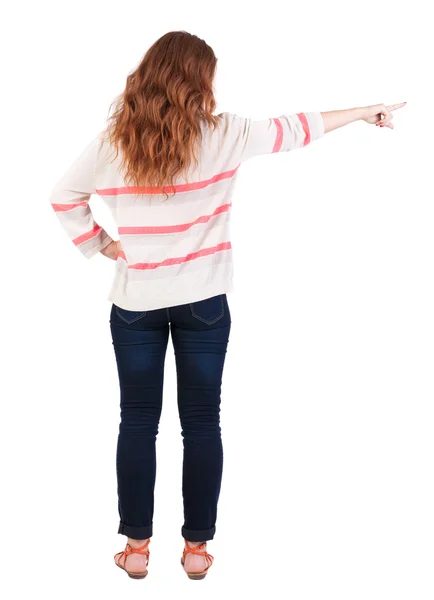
<point>136,543</point>
<point>194,544</point>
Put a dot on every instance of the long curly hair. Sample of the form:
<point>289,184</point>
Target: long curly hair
<point>156,120</point>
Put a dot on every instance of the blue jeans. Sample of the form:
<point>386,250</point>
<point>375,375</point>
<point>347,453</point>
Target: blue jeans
<point>200,334</point>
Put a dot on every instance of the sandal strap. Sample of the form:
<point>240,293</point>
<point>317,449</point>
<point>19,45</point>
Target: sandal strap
<point>199,550</point>
<point>140,550</point>
<point>130,550</point>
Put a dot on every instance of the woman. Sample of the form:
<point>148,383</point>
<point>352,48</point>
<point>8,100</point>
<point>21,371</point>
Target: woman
<point>166,167</point>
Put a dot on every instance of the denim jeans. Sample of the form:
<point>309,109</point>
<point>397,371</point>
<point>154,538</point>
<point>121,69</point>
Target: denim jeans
<point>200,334</point>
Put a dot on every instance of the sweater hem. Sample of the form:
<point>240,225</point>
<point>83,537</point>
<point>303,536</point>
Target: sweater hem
<point>176,299</point>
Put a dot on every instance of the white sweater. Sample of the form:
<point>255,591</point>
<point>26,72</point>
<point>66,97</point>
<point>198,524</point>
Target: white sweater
<point>178,250</point>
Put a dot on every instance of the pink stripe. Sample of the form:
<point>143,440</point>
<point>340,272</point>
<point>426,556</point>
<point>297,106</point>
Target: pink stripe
<point>172,228</point>
<point>87,236</point>
<point>121,254</point>
<point>182,259</point>
<point>182,187</point>
<point>279,136</point>
<point>306,128</point>
<point>63,207</point>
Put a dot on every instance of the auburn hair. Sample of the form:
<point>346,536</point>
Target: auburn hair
<point>156,121</point>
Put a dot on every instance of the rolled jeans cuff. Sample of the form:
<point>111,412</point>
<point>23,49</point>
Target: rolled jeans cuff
<point>198,535</point>
<point>136,533</point>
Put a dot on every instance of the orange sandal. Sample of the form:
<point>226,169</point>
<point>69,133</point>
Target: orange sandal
<point>197,550</point>
<point>130,550</point>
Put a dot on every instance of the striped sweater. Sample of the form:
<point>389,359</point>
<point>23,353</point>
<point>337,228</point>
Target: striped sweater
<point>178,250</point>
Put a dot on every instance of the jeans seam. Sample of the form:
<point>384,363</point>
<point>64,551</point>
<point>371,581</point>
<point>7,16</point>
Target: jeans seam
<point>142,314</point>
<point>204,320</point>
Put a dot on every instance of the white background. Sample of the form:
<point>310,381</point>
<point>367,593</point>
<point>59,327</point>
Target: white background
<point>328,389</point>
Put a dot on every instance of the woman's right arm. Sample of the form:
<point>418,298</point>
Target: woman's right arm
<point>291,131</point>
<point>378,114</point>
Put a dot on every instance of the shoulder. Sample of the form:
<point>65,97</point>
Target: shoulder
<point>233,123</point>
<point>102,146</point>
<point>231,118</point>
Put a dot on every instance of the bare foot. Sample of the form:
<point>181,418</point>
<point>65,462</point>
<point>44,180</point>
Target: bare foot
<point>196,563</point>
<point>134,563</point>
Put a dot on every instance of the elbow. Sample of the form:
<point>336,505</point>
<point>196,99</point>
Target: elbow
<point>53,195</point>
<point>57,197</point>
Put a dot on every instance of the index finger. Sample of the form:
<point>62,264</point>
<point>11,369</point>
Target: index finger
<point>395,106</point>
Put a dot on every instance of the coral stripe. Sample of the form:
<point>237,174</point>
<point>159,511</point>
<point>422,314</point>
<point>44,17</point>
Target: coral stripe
<point>306,128</point>
<point>63,207</point>
<point>182,187</point>
<point>87,236</point>
<point>279,136</point>
<point>172,228</point>
<point>181,259</point>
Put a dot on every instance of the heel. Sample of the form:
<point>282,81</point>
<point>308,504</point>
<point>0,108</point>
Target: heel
<point>130,550</point>
<point>209,559</point>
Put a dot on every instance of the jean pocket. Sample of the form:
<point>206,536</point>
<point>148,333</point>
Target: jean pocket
<point>208,311</point>
<point>129,316</point>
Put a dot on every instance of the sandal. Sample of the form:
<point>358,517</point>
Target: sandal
<point>197,550</point>
<point>130,550</point>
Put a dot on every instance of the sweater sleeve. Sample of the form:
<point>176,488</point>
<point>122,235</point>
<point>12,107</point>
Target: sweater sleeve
<point>70,201</point>
<point>279,134</point>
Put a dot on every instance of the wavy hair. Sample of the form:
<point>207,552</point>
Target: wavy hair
<point>156,121</point>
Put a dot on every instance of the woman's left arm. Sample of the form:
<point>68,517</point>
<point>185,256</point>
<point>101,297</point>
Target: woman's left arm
<point>70,201</point>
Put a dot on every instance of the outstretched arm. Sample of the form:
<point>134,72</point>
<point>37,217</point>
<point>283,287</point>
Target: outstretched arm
<point>295,130</point>
<point>378,114</point>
